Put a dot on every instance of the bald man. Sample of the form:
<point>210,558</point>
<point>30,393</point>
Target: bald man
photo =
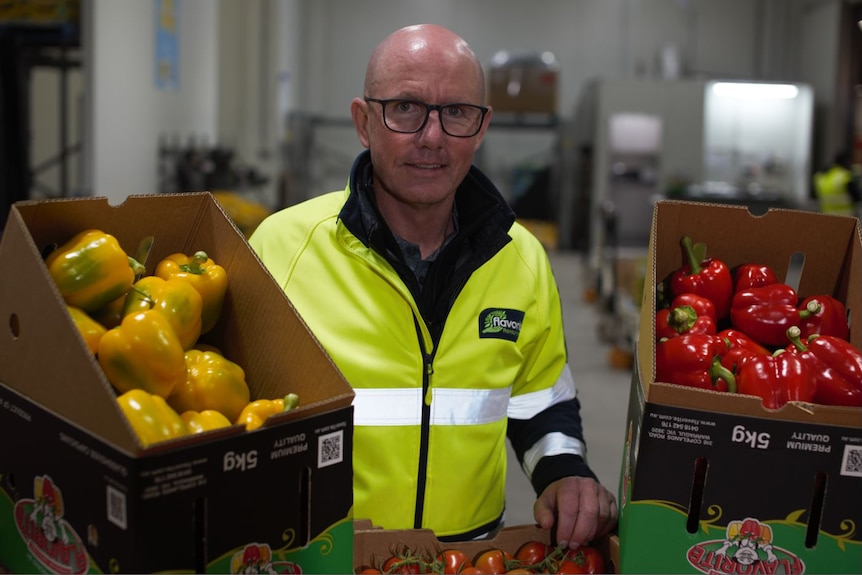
<point>440,310</point>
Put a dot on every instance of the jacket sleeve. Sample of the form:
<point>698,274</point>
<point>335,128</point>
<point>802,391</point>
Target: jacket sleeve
<point>545,428</point>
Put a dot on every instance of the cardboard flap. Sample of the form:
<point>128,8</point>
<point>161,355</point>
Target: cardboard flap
<point>42,356</point>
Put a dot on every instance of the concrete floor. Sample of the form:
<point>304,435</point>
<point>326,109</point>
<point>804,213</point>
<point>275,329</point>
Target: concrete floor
<point>603,389</point>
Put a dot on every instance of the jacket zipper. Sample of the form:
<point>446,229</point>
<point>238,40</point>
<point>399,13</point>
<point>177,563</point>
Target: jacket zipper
<point>425,428</point>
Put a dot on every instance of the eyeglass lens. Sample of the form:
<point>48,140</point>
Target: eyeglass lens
<point>410,116</point>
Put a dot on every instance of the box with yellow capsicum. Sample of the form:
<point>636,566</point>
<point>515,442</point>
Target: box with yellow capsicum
<point>82,487</point>
<point>714,479</point>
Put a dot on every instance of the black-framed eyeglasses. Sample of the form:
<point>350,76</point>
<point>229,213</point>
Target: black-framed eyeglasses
<point>410,116</point>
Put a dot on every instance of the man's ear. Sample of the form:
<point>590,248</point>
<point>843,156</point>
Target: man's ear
<point>359,113</point>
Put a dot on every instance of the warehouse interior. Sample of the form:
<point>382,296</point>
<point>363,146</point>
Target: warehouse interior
<point>118,98</point>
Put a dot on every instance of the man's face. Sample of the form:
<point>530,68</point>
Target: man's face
<point>425,167</point>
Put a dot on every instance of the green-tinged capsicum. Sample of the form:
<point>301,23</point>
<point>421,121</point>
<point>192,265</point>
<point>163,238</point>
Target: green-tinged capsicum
<point>91,330</point>
<point>143,352</point>
<point>205,275</point>
<point>212,382</point>
<point>178,301</point>
<point>91,269</point>
<point>150,416</point>
<point>256,413</point>
<point>206,420</point>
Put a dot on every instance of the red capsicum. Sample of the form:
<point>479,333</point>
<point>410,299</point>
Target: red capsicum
<point>688,313</point>
<point>694,360</point>
<point>707,277</point>
<point>764,313</point>
<point>776,378</point>
<point>747,276</point>
<point>835,364</point>
<point>829,319</point>
<point>736,339</point>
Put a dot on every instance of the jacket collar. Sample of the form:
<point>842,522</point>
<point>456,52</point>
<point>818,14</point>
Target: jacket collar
<point>480,205</point>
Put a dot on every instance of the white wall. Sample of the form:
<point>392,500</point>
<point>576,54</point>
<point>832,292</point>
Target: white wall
<point>128,114</point>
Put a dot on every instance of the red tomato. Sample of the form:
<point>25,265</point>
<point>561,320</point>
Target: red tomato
<point>402,565</point>
<point>454,561</point>
<point>472,571</point>
<point>568,566</point>
<point>368,571</point>
<point>532,552</point>
<point>589,558</point>
<point>493,561</point>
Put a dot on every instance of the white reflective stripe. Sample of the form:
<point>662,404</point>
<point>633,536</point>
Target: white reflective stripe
<point>469,406</point>
<point>529,404</point>
<point>403,406</point>
<point>387,406</point>
<point>552,444</point>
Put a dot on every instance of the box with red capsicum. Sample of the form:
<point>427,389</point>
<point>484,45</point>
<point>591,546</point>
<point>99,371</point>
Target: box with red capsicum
<point>80,492</point>
<point>743,445</point>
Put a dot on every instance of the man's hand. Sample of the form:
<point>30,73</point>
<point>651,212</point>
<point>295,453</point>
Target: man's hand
<point>581,508</point>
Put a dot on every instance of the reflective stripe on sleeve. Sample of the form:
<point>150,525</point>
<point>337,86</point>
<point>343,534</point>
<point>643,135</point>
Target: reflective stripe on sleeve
<point>403,406</point>
<point>552,444</point>
<point>529,404</point>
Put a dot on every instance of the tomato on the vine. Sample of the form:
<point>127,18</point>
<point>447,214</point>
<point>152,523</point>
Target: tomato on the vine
<point>532,552</point>
<point>493,561</point>
<point>589,558</point>
<point>402,565</point>
<point>569,566</point>
<point>454,561</point>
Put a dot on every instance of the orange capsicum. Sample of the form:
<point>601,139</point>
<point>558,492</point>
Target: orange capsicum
<point>91,269</point>
<point>212,382</point>
<point>151,417</point>
<point>143,352</point>
<point>256,413</point>
<point>202,273</point>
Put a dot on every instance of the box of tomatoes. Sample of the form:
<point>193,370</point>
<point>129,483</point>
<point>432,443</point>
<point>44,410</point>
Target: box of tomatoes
<point>521,549</point>
<point>81,488</point>
<point>743,445</point>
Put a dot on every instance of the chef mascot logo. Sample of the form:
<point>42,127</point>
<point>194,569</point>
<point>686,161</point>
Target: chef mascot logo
<point>747,548</point>
<point>49,537</point>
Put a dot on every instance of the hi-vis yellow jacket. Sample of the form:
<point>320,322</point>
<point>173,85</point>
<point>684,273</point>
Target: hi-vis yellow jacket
<point>443,372</point>
<point>832,191</point>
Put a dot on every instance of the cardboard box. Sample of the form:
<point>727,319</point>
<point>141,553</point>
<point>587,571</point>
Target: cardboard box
<point>373,545</point>
<point>702,469</point>
<point>523,84</point>
<point>78,492</point>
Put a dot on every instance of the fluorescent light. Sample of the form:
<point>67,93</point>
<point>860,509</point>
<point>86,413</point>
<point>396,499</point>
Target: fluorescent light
<point>756,90</point>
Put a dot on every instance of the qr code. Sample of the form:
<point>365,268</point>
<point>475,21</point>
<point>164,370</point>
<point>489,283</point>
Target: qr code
<point>852,462</point>
<point>116,507</point>
<point>329,448</point>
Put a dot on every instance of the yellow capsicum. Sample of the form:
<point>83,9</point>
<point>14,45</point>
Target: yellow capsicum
<point>178,301</point>
<point>206,420</point>
<point>143,352</point>
<point>256,413</point>
<point>212,382</point>
<point>206,276</point>
<point>151,417</point>
<point>91,330</point>
<point>91,269</point>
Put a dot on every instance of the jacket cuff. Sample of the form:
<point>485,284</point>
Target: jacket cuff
<point>554,467</point>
